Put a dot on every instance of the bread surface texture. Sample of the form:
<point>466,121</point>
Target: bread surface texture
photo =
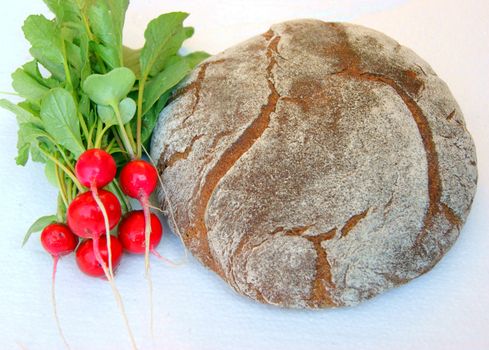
<point>316,165</point>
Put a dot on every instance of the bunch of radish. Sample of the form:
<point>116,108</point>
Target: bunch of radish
<point>88,117</point>
<point>97,211</point>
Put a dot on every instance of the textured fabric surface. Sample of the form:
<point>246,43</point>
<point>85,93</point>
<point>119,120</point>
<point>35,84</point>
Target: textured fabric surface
<point>445,309</point>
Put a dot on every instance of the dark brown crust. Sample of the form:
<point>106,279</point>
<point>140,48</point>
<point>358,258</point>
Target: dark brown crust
<point>450,215</point>
<point>268,35</point>
<point>319,297</point>
<point>352,69</point>
<point>434,179</point>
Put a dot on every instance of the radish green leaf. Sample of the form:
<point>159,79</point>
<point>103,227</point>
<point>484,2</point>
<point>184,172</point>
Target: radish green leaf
<point>27,86</point>
<point>107,21</point>
<point>23,115</point>
<point>170,77</point>
<point>46,40</point>
<point>127,108</point>
<point>38,226</point>
<point>110,88</point>
<point>164,37</point>
<point>59,115</point>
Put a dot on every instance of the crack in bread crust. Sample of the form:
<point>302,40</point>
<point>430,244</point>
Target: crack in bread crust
<point>323,281</point>
<point>229,158</point>
<point>198,87</point>
<point>435,206</point>
<point>197,83</point>
<point>195,86</point>
<point>352,222</point>
<point>175,157</point>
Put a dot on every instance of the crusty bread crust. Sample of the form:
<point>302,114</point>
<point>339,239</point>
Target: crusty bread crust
<point>316,165</point>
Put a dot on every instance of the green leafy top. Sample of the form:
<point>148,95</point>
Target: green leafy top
<point>94,87</point>
<point>107,20</point>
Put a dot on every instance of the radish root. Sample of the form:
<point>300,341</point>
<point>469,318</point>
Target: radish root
<point>115,291</point>
<point>151,311</point>
<point>96,197</point>
<point>146,205</point>
<point>53,302</point>
<point>170,262</point>
<point>147,229</point>
<point>143,199</point>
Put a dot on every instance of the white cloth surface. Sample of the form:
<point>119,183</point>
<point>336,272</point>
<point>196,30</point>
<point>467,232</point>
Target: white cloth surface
<point>448,308</point>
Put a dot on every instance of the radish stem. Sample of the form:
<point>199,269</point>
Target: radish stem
<point>128,129</point>
<point>100,134</point>
<point>116,189</point>
<point>59,209</point>
<point>115,291</point>
<point>110,145</point>
<point>64,168</point>
<point>53,301</point>
<point>119,143</point>
<point>66,67</point>
<point>139,117</point>
<point>65,157</point>
<point>122,131</point>
<point>61,185</point>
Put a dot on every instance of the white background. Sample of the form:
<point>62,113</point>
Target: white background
<point>446,309</point>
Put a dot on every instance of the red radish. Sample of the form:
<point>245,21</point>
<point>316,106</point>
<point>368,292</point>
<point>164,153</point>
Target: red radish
<point>85,217</point>
<point>132,230</point>
<point>58,240</point>
<point>95,167</point>
<point>132,235</point>
<point>138,178</point>
<point>86,260</point>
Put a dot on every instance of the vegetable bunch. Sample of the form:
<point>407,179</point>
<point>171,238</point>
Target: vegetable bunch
<point>89,107</point>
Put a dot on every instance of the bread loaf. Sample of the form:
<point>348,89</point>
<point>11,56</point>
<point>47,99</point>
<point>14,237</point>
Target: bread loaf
<point>315,165</point>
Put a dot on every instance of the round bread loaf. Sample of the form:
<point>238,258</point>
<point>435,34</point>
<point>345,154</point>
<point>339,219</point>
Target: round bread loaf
<point>315,165</point>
